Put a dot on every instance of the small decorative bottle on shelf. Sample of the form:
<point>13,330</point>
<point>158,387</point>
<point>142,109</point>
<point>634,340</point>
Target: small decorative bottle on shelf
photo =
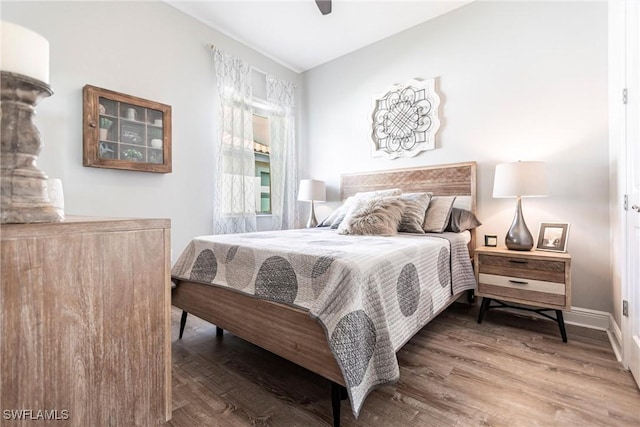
<point>105,124</point>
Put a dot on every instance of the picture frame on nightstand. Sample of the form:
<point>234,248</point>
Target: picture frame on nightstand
<point>553,237</point>
<point>491,240</point>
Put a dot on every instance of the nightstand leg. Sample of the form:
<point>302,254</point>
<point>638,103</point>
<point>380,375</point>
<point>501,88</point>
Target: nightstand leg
<point>485,305</point>
<point>183,323</point>
<point>560,320</point>
<point>219,331</point>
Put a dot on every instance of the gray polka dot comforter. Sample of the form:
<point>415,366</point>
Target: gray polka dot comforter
<point>371,293</point>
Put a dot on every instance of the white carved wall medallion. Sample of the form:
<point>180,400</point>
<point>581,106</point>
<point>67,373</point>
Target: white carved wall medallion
<point>405,120</point>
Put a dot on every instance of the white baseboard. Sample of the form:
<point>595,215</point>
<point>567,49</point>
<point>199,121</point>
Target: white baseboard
<point>600,320</point>
<point>615,336</point>
<point>587,318</point>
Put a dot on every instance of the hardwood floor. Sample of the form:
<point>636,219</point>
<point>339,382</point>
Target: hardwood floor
<point>508,371</point>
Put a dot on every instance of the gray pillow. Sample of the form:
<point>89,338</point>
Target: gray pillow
<point>437,216</point>
<point>377,216</point>
<point>341,212</point>
<point>461,220</point>
<point>416,205</point>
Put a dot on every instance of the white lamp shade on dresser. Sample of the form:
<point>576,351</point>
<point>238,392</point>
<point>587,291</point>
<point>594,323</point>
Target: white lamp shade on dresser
<point>24,52</point>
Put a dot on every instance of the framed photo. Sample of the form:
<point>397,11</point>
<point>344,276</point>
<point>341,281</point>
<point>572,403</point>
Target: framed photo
<point>491,240</point>
<point>553,236</point>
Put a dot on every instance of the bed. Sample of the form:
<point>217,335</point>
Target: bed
<point>326,307</point>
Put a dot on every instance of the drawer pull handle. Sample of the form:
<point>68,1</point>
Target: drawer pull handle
<point>519,282</point>
<point>519,261</point>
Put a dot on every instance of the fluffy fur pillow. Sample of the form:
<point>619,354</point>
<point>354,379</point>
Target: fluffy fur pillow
<point>352,200</point>
<point>378,216</point>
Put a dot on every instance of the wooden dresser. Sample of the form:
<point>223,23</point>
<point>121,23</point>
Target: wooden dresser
<point>85,334</point>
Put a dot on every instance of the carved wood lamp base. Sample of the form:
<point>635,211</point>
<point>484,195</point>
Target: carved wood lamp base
<point>23,186</point>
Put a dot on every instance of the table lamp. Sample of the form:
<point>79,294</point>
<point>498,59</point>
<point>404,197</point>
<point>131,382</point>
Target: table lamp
<point>24,69</point>
<point>312,190</point>
<point>519,179</point>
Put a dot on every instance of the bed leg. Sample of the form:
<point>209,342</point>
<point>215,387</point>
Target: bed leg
<point>219,331</point>
<point>338,393</point>
<point>183,323</point>
<point>471,297</point>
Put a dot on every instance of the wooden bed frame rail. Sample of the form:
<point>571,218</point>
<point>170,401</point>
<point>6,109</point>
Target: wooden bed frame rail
<point>281,329</point>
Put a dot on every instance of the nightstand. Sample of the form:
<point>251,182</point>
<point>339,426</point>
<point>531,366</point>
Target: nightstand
<point>541,280</point>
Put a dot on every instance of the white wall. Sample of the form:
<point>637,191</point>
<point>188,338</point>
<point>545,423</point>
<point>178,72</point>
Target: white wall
<point>145,49</point>
<point>518,81</point>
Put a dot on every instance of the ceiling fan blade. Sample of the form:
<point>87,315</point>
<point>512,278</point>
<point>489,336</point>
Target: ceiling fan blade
<point>324,6</point>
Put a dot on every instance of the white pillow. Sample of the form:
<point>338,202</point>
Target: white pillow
<point>437,216</point>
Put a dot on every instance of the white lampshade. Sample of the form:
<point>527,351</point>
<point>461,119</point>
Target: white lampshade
<point>312,189</point>
<point>526,179</point>
<point>24,52</point>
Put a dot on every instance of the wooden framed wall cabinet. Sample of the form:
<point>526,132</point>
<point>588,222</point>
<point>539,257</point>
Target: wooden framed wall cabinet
<point>125,132</point>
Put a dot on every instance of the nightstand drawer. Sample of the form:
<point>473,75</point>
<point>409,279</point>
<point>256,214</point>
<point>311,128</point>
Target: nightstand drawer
<point>527,268</point>
<point>534,291</point>
<point>521,283</point>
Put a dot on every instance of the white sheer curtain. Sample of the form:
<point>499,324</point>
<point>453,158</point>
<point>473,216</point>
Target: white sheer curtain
<point>234,209</point>
<point>284,165</point>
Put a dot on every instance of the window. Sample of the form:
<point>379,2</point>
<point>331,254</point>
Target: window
<point>262,150</point>
<point>268,103</point>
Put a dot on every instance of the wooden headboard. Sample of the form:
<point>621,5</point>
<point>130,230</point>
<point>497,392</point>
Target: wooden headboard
<point>456,179</point>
